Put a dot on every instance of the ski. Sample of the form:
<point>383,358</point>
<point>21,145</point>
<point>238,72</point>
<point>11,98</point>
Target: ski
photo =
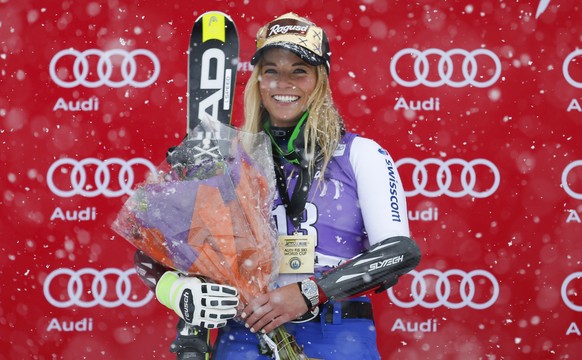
<point>213,58</point>
<point>212,65</point>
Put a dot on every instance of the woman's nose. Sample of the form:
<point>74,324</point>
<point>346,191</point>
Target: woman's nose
<point>284,81</point>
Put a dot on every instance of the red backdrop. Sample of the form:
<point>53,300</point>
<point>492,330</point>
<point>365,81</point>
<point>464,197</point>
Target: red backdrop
<point>479,101</point>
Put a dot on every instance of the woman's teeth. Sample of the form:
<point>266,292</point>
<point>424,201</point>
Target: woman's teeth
<point>285,98</point>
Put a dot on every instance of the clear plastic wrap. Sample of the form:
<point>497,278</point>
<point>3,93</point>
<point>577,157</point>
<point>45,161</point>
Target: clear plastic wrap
<point>207,211</point>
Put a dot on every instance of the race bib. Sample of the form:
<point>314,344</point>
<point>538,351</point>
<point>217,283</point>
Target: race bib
<point>298,254</point>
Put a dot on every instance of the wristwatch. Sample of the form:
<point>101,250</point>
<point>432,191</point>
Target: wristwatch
<point>310,292</point>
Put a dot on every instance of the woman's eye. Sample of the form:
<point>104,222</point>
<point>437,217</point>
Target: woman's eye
<point>301,70</point>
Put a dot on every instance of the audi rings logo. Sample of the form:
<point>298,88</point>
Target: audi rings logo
<point>467,184</point>
<point>564,290</point>
<point>566,68</point>
<point>474,284</point>
<point>445,68</point>
<point>76,174</point>
<point>89,288</point>
<point>565,173</point>
<point>82,72</point>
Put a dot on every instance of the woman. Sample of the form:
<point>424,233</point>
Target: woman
<point>340,197</point>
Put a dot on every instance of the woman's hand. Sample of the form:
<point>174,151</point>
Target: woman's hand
<point>268,311</point>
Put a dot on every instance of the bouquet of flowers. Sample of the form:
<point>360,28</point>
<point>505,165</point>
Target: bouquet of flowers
<point>207,212</point>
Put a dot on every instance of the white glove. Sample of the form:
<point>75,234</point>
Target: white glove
<point>200,304</point>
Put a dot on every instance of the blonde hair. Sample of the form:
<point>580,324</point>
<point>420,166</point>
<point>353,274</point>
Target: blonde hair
<point>324,125</point>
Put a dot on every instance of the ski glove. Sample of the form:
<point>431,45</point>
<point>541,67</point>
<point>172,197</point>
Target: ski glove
<point>199,303</point>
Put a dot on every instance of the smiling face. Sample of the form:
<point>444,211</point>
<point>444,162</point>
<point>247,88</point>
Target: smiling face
<point>286,82</point>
